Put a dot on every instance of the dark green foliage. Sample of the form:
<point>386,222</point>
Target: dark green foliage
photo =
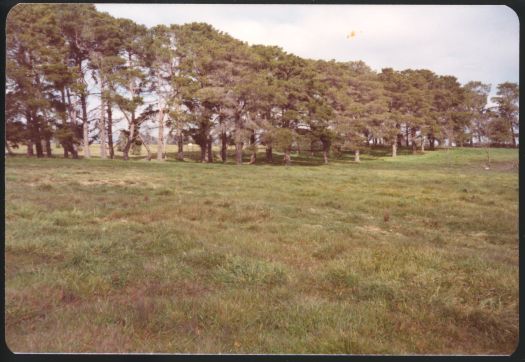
<point>213,87</point>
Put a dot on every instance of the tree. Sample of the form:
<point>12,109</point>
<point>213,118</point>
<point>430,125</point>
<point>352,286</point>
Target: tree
<point>475,102</point>
<point>162,64</point>
<point>269,94</point>
<point>128,76</point>
<point>319,113</point>
<point>32,42</point>
<point>287,109</point>
<point>75,24</point>
<point>507,100</point>
<point>393,86</point>
<point>106,35</point>
<point>204,80</point>
<point>448,121</point>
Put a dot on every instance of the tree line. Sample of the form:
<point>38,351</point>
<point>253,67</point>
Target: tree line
<point>70,70</point>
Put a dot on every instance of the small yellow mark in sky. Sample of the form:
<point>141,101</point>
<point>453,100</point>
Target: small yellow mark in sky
<point>352,34</point>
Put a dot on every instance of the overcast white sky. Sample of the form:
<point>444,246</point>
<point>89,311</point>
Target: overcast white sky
<point>470,42</point>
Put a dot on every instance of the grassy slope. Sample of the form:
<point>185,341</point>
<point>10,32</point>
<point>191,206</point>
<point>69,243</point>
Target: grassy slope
<point>186,257</point>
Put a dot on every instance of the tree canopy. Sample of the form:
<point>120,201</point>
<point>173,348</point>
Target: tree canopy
<point>71,69</point>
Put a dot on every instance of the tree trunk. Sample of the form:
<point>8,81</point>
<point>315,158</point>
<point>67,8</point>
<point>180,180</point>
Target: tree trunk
<point>209,144</point>
<point>9,150</point>
<point>413,140</point>
<point>253,157</point>
<point>431,142</point>
<point>165,146</point>
<point>325,152</point>
<point>513,136</point>
<point>72,125</point>
<point>238,140</point>
<point>85,121</point>
<point>406,135</point>
<point>356,156</point>
<point>66,149</point>
<point>180,144</point>
<point>203,152</point>
<point>47,144</point>
<point>30,152</point>
<point>160,138</point>
<point>110,131</point>
<point>65,142</point>
<point>37,141</point>
<point>102,129</point>
<point>287,158</point>
<point>394,149</point>
<point>422,143</point>
<point>74,150</point>
<point>148,157</point>
<point>85,128</point>
<point>238,153</point>
<point>125,151</point>
<point>269,153</point>
<point>224,147</point>
<point>39,151</point>
<point>44,145</point>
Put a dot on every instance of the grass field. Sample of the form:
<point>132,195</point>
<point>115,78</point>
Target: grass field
<point>412,255</point>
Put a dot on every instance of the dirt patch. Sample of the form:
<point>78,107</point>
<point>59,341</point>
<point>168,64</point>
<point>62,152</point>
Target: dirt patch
<point>372,229</point>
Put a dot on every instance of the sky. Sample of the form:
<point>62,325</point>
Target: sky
<point>471,42</point>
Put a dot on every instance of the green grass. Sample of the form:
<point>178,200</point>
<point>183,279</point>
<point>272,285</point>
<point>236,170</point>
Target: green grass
<point>114,256</point>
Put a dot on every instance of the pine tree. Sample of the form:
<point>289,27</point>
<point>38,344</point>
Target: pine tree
<point>507,100</point>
